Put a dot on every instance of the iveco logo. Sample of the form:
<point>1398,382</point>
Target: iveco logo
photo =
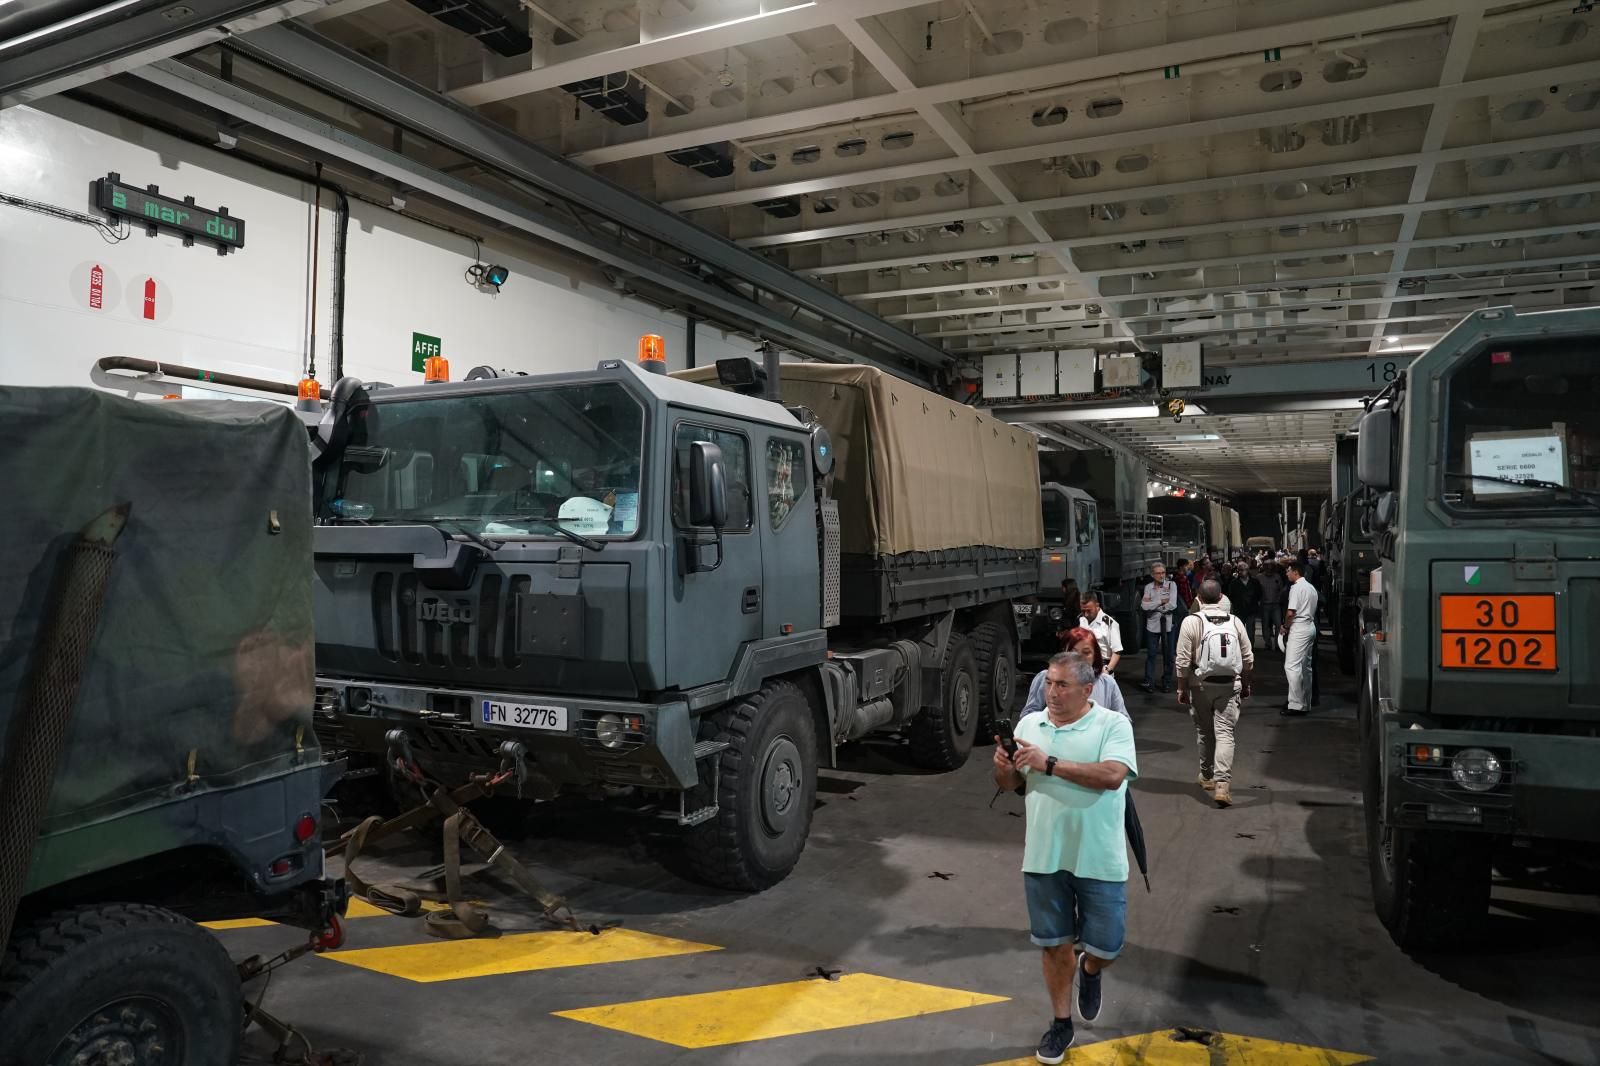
<point>444,613</point>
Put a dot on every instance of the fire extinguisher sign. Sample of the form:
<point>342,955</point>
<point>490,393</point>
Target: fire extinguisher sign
<point>150,299</point>
<point>97,288</point>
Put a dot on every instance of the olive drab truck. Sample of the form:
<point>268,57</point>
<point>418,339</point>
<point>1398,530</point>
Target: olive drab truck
<point>1480,690</point>
<point>1347,548</point>
<point>683,593</point>
<point>157,761</point>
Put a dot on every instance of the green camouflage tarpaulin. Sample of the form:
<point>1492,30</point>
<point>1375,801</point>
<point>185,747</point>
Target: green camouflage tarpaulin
<point>201,675</point>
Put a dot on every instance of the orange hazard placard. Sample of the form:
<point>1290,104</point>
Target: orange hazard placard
<point>1497,632</point>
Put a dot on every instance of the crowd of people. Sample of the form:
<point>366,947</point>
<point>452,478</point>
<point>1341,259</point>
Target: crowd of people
<point>1071,753</point>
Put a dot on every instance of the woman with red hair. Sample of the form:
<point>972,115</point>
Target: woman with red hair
<point>1106,693</point>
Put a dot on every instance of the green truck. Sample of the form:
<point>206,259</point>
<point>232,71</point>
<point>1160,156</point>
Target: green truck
<point>676,594</point>
<point>1480,688</point>
<point>157,761</point>
<point>1347,549</point>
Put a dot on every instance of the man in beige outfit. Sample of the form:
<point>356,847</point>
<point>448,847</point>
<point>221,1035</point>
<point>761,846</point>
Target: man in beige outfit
<point>1214,661</point>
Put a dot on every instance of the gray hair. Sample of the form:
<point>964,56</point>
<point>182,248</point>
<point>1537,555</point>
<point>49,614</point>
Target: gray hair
<point>1079,669</point>
<point>1210,591</point>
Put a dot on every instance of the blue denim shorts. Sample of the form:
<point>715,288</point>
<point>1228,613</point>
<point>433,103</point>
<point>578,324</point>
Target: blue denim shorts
<point>1063,909</point>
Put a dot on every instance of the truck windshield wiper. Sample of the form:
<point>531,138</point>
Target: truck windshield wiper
<point>457,526</point>
<point>557,528</point>
<point>1588,496</point>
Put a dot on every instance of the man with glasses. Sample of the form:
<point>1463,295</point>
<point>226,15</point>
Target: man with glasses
<point>1159,602</point>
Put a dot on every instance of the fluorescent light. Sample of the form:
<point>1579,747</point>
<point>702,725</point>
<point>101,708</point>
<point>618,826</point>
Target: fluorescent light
<point>1103,414</point>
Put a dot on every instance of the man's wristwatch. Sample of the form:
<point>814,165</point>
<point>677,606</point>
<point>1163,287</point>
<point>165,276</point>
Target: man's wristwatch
<point>1050,766</point>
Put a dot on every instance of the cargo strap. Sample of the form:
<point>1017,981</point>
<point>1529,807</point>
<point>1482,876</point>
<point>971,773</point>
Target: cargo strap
<point>462,919</point>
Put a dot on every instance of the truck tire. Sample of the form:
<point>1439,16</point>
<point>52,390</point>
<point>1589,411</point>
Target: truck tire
<point>118,982</point>
<point>942,736</point>
<point>766,790</point>
<point>997,675</point>
<point>1430,888</point>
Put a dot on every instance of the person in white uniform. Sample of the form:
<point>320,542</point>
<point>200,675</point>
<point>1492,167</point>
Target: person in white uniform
<point>1299,630</point>
<point>1105,629</point>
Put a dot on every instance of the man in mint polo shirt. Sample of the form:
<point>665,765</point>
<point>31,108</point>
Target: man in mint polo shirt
<point>1073,760</point>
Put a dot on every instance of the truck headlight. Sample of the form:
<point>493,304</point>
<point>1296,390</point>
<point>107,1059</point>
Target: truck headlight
<point>608,731</point>
<point>1476,770</point>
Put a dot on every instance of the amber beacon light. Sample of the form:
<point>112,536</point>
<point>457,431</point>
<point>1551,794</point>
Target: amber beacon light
<point>653,353</point>
<point>435,368</point>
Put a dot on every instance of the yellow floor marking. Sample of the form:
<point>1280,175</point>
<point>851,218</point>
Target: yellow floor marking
<point>452,960</point>
<point>711,1019</point>
<point>238,923</point>
<point>1224,1049</point>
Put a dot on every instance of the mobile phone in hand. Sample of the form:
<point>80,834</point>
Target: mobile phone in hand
<point>1007,739</point>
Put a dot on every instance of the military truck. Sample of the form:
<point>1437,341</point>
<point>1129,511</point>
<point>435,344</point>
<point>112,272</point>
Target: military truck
<point>1348,550</point>
<point>1110,557</point>
<point>1480,699</point>
<point>157,761</point>
<point>681,593</point>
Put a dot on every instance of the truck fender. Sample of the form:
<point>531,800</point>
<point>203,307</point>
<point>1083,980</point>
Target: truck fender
<point>933,643</point>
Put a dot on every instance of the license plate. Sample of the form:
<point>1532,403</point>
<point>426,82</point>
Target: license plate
<point>1022,608</point>
<point>525,715</point>
<point>1497,632</point>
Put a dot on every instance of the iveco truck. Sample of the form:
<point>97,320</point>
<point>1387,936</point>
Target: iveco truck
<point>1480,700</point>
<point>684,593</point>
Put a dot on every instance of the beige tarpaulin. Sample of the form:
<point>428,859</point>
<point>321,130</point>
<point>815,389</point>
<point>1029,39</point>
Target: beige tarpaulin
<point>913,470</point>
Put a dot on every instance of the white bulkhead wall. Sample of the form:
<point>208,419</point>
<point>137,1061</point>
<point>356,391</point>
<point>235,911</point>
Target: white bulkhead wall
<point>249,312</point>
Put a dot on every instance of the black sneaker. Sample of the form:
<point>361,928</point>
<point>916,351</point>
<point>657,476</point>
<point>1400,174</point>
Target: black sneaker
<point>1054,1043</point>
<point>1089,999</point>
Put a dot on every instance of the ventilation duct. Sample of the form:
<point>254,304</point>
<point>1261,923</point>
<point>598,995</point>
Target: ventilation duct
<point>614,96</point>
<point>712,160</point>
<point>477,19</point>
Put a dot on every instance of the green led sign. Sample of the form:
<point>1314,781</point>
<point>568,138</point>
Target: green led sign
<point>157,213</point>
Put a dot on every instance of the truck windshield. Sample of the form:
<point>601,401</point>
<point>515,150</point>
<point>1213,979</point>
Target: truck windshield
<point>1055,518</point>
<point>503,463</point>
<point>1522,428</point>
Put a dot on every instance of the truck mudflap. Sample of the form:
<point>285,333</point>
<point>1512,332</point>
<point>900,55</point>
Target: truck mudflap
<point>1522,784</point>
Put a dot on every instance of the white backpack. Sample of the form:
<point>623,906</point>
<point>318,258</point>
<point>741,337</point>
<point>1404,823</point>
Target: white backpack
<point>1219,654</point>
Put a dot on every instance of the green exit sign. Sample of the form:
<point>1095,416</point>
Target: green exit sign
<point>157,213</point>
<point>422,348</point>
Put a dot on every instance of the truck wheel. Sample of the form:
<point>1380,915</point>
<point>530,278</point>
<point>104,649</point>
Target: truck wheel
<point>766,790</point>
<point>1429,888</point>
<point>118,982</point>
<point>941,737</point>
<point>997,675</point>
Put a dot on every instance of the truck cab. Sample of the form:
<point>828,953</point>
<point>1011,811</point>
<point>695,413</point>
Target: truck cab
<point>1071,540</point>
<point>1480,708</point>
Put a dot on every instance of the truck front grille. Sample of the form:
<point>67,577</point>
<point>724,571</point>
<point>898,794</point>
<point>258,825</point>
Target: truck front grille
<point>473,628</point>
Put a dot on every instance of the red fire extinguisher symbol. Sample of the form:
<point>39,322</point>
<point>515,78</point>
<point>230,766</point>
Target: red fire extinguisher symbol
<point>97,288</point>
<point>150,298</point>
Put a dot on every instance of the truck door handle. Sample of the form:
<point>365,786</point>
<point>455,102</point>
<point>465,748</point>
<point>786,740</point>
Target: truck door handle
<point>752,600</point>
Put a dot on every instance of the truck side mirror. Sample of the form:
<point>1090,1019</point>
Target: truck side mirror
<point>708,486</point>
<point>1374,449</point>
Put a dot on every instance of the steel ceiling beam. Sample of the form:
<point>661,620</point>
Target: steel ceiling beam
<point>326,139</point>
<point>1210,127</point>
<point>1463,41</point>
<point>122,35</point>
<point>726,33</point>
<point>1490,269</point>
<point>1169,190</point>
<point>352,78</point>
<point>1157,57</point>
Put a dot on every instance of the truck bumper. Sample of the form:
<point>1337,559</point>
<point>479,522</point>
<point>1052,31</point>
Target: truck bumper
<point>1548,787</point>
<point>446,733</point>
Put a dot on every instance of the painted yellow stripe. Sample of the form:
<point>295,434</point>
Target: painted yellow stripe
<point>238,923</point>
<point>1170,1048</point>
<point>452,960</point>
<point>712,1019</point>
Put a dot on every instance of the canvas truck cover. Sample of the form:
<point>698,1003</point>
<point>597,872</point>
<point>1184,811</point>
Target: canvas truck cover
<point>205,641</point>
<point>913,471</point>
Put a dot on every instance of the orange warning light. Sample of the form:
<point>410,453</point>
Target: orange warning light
<point>435,368</point>
<point>652,349</point>
<point>309,389</point>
